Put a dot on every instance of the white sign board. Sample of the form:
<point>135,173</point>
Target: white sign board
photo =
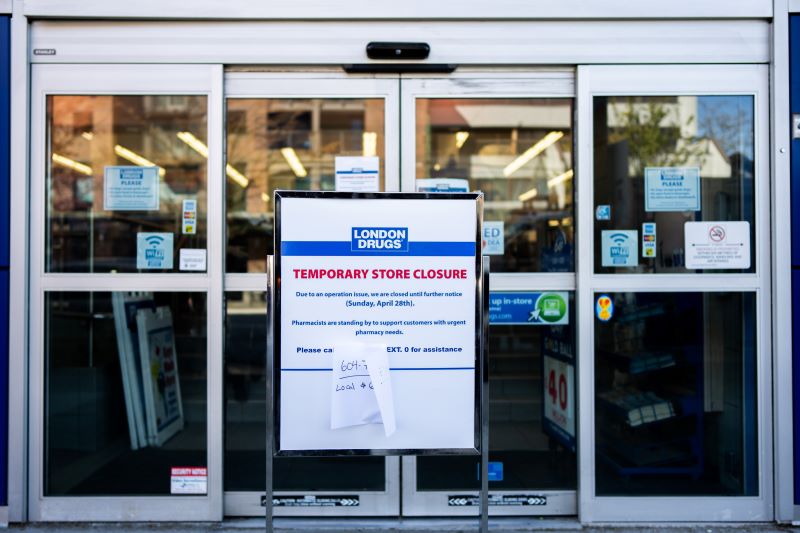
<point>671,189</point>
<point>717,245</point>
<point>357,174</point>
<point>559,394</point>
<point>130,189</point>
<point>375,344</point>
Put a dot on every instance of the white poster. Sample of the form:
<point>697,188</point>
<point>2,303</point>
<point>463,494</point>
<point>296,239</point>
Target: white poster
<point>377,323</point>
<point>559,394</point>
<point>717,245</point>
<point>357,174</point>
<point>130,189</point>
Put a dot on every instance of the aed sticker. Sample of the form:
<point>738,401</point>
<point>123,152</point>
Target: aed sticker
<point>602,212</point>
<point>493,238</point>
<point>188,480</point>
<point>192,259</point>
<point>620,248</point>
<point>649,240</point>
<point>189,225</point>
<point>154,251</point>
<point>604,308</point>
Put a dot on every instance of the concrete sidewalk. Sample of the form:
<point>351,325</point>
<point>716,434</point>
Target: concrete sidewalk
<point>360,525</point>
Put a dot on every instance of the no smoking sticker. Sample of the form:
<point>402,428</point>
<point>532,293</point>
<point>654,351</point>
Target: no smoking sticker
<point>717,245</point>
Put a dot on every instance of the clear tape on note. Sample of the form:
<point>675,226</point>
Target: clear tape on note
<point>361,388</point>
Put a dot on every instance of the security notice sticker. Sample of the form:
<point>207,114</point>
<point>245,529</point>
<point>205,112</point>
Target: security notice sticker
<point>130,189</point>
<point>717,245</point>
<point>620,248</point>
<point>188,480</point>
<point>529,308</point>
<point>189,225</point>
<point>153,251</point>
<point>649,240</point>
<point>671,189</point>
<point>493,238</point>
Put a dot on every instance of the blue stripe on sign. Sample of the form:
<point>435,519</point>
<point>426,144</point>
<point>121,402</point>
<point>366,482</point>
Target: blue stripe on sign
<point>356,172</point>
<point>417,369</point>
<point>341,248</point>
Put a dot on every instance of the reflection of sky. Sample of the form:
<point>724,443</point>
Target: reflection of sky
<point>729,121</point>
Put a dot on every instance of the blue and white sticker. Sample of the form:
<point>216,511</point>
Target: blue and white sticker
<point>620,248</point>
<point>189,225</point>
<point>604,308</point>
<point>154,251</point>
<point>671,189</point>
<point>602,212</point>
<point>649,240</point>
<point>127,188</point>
<point>529,308</point>
<point>493,237</point>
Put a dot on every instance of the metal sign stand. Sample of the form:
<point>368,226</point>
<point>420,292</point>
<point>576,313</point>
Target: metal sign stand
<point>270,421</point>
<point>484,399</point>
<point>484,363</point>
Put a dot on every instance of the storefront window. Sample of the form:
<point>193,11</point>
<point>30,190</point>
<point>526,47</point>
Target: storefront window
<point>675,394</point>
<point>246,423</point>
<point>125,391</point>
<point>674,184</point>
<point>288,144</point>
<point>532,411</point>
<point>126,182</point>
<point>519,153</point>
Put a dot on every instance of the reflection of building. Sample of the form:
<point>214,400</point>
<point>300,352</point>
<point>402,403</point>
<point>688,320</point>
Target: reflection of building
<point>288,144</point>
<point>519,154</point>
<point>673,132</point>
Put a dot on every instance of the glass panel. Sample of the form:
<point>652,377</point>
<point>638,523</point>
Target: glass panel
<point>531,370</point>
<point>100,218</point>
<point>672,140</point>
<point>519,153</point>
<point>245,417</point>
<point>675,384</point>
<point>115,423</point>
<point>288,144</point>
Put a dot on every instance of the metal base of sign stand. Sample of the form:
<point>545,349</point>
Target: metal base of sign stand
<point>484,399</point>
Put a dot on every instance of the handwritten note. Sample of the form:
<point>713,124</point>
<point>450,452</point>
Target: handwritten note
<point>361,389</point>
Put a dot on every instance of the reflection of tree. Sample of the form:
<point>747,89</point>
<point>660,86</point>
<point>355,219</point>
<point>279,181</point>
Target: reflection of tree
<point>653,134</point>
<point>729,125</point>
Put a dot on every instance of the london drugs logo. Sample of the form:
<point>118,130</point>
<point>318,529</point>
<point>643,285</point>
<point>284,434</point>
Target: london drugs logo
<point>385,239</point>
<point>672,178</point>
<point>131,176</point>
<point>619,249</point>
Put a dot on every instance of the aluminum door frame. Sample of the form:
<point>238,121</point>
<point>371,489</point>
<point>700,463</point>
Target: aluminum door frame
<point>320,82</point>
<point>134,80</point>
<point>484,83</point>
<point>643,80</point>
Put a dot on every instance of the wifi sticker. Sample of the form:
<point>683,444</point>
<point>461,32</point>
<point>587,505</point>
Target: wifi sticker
<point>620,248</point>
<point>154,251</point>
